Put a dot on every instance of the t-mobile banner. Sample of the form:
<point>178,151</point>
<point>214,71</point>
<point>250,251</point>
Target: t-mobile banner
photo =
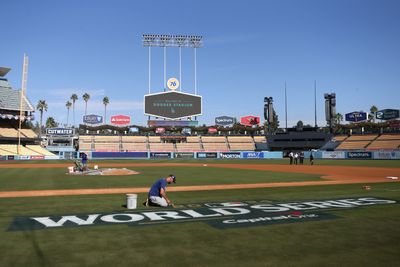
<point>229,155</point>
<point>253,155</point>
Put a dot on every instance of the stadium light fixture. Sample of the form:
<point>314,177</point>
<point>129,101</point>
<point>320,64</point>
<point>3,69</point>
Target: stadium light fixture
<point>165,40</point>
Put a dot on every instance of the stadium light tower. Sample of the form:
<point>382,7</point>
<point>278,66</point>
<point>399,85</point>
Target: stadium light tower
<point>180,41</point>
<point>330,109</point>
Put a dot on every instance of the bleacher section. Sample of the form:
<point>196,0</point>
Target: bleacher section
<point>241,143</point>
<point>386,142</point>
<point>28,150</point>
<point>157,147</point>
<point>158,144</point>
<point>368,142</point>
<point>356,142</point>
<point>185,147</point>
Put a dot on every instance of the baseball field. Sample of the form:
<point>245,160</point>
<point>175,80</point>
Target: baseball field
<point>227,213</point>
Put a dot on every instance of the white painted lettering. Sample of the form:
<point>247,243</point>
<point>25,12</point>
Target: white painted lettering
<point>129,217</point>
<point>162,215</point>
<point>196,214</point>
<point>231,211</point>
<point>269,208</point>
<point>46,221</point>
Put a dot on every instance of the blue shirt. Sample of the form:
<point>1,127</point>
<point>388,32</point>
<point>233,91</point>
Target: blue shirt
<point>156,187</point>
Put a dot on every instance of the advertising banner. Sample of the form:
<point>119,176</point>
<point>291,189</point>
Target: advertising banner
<point>160,130</point>
<point>184,155</point>
<point>134,129</point>
<point>387,114</point>
<point>253,155</point>
<point>160,155</point>
<point>92,119</point>
<point>333,155</point>
<point>120,120</point>
<point>3,157</point>
<point>207,155</point>
<point>172,105</point>
<point>250,120</point>
<point>10,157</point>
<point>387,155</point>
<point>212,130</point>
<point>359,155</point>
<point>24,157</point>
<point>356,116</point>
<point>37,157</point>
<point>186,131</point>
<point>60,131</point>
<point>224,120</point>
<point>229,155</point>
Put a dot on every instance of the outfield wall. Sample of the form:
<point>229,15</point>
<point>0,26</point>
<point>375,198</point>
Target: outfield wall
<point>393,155</point>
<point>187,155</point>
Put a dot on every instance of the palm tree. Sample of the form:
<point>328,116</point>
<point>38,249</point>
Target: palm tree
<point>338,118</point>
<point>74,97</point>
<point>41,106</point>
<point>51,122</point>
<point>373,111</point>
<point>68,105</point>
<point>86,98</point>
<point>106,101</point>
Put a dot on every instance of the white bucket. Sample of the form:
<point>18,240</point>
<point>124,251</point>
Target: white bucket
<point>70,169</point>
<point>131,201</point>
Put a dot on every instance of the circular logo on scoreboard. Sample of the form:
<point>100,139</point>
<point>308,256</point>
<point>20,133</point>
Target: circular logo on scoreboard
<point>173,83</point>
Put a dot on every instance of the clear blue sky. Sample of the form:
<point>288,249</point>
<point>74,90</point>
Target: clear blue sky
<point>351,47</point>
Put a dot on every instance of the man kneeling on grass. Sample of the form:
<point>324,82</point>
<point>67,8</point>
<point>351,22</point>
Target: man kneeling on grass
<point>157,195</point>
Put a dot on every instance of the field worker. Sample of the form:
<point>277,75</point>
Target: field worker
<point>84,160</point>
<point>157,195</point>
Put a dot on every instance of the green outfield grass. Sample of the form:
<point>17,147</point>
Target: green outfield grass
<point>364,236</point>
<point>35,179</point>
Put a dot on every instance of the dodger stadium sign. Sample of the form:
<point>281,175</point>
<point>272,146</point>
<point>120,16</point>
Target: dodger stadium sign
<point>219,215</point>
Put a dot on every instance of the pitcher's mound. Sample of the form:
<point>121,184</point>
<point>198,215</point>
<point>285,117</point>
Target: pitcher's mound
<point>122,171</point>
<point>109,171</point>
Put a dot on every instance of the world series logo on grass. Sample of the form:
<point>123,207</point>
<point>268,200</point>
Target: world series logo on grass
<point>219,215</point>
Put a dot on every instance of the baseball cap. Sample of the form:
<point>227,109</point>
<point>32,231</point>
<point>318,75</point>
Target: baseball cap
<point>173,178</point>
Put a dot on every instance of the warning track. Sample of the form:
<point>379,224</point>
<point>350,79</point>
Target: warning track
<point>332,175</point>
